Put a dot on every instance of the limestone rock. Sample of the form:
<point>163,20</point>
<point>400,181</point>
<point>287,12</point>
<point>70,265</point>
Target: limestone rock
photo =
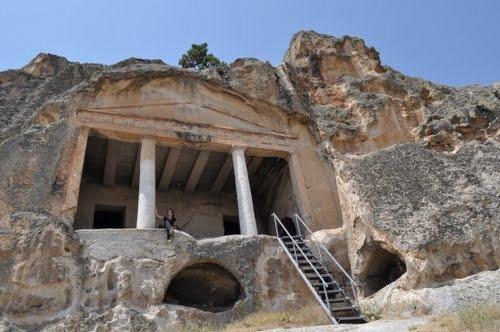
<point>56,278</point>
<point>417,168</point>
<point>335,241</point>
<point>452,296</point>
<point>44,65</point>
<point>357,105</point>
<point>416,162</point>
<point>438,213</point>
<point>40,269</point>
<point>139,277</point>
<point>255,77</point>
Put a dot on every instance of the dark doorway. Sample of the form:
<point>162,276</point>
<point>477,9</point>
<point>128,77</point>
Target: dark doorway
<point>108,216</point>
<point>231,225</point>
<point>289,225</point>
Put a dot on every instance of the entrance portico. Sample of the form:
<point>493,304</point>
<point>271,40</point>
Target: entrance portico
<point>147,184</point>
<point>178,149</point>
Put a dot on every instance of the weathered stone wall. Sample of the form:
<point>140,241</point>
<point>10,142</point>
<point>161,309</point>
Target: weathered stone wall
<point>134,268</point>
<point>118,278</point>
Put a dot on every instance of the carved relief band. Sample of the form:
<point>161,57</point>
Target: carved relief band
<point>176,129</point>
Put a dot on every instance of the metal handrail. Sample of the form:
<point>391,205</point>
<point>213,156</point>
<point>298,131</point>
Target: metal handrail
<point>320,245</point>
<point>323,282</point>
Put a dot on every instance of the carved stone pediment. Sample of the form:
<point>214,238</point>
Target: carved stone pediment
<point>187,102</point>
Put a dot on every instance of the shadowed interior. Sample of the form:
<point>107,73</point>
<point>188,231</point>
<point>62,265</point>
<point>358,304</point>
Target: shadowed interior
<point>205,207</point>
<point>383,268</point>
<point>206,286</point>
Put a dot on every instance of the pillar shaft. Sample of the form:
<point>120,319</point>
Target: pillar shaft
<point>146,217</point>
<point>248,225</point>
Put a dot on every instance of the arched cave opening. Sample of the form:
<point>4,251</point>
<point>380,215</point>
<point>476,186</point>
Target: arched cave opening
<point>382,268</point>
<point>205,286</point>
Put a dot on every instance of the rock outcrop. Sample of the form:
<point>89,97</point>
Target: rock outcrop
<point>451,296</point>
<point>357,105</point>
<point>120,278</point>
<point>417,168</point>
<point>40,268</point>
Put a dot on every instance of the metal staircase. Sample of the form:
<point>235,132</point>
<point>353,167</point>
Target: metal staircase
<point>332,286</point>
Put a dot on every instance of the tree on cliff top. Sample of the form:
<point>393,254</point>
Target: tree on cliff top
<point>198,57</point>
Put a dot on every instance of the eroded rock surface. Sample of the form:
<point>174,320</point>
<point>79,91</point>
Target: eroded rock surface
<point>357,105</point>
<point>54,278</point>
<point>40,268</point>
<point>417,173</point>
<point>437,212</point>
<point>454,295</point>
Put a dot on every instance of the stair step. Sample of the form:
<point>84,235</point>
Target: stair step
<point>339,309</point>
<point>352,320</point>
<point>327,278</point>
<point>304,250</point>
<point>329,285</point>
<point>303,261</point>
<point>302,246</point>
<point>302,257</point>
<point>329,291</point>
<point>315,264</point>
<point>308,269</point>
<point>299,254</point>
<point>287,238</point>
<point>330,295</point>
<point>291,244</point>
<point>323,275</point>
<point>339,300</point>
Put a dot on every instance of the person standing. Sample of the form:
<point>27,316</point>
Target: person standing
<point>168,222</point>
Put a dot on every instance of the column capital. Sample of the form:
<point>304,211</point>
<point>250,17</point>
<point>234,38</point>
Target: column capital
<point>237,148</point>
<point>148,139</point>
<point>291,155</point>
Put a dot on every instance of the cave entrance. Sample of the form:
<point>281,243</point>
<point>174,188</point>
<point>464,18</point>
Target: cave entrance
<point>205,286</point>
<point>383,268</point>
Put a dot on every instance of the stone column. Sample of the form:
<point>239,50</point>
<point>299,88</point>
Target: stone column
<point>146,216</point>
<point>248,225</point>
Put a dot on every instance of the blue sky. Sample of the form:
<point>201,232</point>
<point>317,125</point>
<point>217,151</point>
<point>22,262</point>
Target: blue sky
<point>451,42</point>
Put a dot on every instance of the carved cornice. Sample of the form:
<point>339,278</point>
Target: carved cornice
<point>154,126</point>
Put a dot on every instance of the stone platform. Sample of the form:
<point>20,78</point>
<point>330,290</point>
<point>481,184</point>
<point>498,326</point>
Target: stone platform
<point>224,278</point>
<point>106,244</point>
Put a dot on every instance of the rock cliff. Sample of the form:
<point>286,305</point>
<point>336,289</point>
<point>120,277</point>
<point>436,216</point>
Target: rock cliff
<point>417,165</point>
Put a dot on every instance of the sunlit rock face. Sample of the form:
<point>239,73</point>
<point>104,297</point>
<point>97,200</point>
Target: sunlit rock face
<point>416,166</point>
<point>417,163</point>
<point>455,295</point>
<point>357,105</point>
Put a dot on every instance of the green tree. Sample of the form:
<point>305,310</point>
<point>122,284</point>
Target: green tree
<point>198,57</point>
